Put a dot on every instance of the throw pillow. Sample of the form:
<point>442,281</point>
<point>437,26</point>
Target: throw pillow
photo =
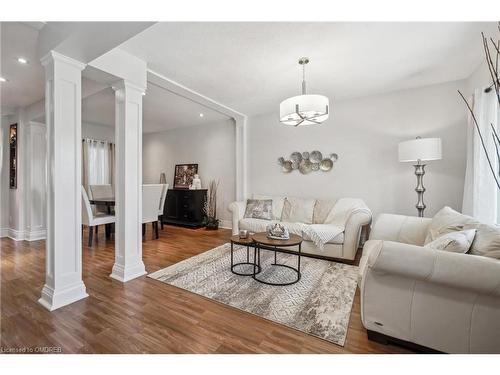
<point>322,209</point>
<point>259,209</point>
<point>278,203</point>
<point>486,241</point>
<point>456,242</point>
<point>301,210</point>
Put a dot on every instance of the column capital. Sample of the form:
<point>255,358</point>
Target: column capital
<point>123,84</point>
<point>240,122</point>
<point>56,56</point>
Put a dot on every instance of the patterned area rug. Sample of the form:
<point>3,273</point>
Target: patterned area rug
<point>319,304</point>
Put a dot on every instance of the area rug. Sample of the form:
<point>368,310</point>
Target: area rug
<point>319,304</point>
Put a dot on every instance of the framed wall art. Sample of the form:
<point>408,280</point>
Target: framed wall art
<point>13,156</point>
<point>184,174</point>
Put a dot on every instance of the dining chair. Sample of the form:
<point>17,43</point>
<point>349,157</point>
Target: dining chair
<point>151,196</point>
<point>93,220</point>
<point>99,192</point>
<point>162,204</point>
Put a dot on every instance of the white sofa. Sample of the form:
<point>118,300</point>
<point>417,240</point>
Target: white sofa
<point>449,302</point>
<point>353,214</point>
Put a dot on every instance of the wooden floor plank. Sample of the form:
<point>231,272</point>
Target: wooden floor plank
<point>144,315</point>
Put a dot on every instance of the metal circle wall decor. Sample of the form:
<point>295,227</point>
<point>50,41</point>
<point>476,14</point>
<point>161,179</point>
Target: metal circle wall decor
<point>305,166</point>
<point>306,162</point>
<point>316,157</point>
<point>287,166</point>
<point>296,157</point>
<point>326,165</point>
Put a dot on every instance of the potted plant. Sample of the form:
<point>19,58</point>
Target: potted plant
<point>210,206</point>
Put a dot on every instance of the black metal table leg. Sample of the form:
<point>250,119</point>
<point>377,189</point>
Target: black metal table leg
<point>255,267</point>
<point>276,250</point>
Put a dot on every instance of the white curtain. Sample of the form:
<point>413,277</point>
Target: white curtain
<point>98,159</point>
<point>481,195</point>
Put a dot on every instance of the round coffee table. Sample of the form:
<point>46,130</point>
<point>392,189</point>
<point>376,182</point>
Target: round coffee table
<point>245,242</point>
<point>261,241</point>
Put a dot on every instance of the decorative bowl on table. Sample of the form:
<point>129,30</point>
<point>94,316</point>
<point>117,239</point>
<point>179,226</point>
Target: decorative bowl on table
<point>276,231</point>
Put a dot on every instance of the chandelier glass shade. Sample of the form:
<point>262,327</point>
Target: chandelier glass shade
<point>304,109</point>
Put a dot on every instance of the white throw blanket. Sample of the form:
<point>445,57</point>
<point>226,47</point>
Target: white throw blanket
<point>335,223</point>
<point>321,234</point>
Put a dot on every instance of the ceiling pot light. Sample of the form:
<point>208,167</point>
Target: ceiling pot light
<point>3,79</point>
<point>22,60</point>
<point>304,109</point>
<point>201,115</point>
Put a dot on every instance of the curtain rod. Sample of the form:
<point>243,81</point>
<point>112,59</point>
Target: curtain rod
<point>96,140</point>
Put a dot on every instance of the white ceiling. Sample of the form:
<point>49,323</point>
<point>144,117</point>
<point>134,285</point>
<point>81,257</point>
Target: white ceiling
<point>251,67</point>
<point>25,82</point>
<point>162,110</point>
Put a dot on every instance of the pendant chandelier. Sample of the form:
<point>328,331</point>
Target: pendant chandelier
<point>304,109</point>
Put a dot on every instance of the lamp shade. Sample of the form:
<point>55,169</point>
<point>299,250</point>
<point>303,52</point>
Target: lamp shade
<point>422,149</point>
<point>304,110</point>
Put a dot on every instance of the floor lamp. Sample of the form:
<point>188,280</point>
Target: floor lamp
<point>420,150</point>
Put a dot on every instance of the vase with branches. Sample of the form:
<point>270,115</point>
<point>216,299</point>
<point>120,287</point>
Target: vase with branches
<point>491,50</point>
<point>210,206</point>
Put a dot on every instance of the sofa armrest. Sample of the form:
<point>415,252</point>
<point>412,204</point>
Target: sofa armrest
<point>461,271</point>
<point>406,229</point>
<point>358,219</point>
<point>237,209</point>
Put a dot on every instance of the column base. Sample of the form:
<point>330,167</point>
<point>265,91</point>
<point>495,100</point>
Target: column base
<point>127,273</point>
<point>53,299</point>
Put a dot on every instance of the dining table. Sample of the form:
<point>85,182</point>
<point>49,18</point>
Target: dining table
<point>109,203</point>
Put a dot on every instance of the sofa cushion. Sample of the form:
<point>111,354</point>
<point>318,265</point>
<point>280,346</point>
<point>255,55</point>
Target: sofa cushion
<point>278,203</point>
<point>301,210</point>
<point>321,210</point>
<point>342,210</point>
<point>259,209</point>
<point>486,241</point>
<point>455,242</point>
<point>259,225</point>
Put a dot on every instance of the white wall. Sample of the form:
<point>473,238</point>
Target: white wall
<point>212,146</point>
<point>98,132</point>
<point>365,133</point>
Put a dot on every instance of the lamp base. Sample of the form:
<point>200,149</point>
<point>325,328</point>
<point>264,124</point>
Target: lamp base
<point>420,189</point>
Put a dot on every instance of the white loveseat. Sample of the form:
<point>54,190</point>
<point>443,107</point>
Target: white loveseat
<point>352,215</point>
<point>446,301</point>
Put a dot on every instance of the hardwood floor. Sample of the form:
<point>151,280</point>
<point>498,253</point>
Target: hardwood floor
<point>143,315</point>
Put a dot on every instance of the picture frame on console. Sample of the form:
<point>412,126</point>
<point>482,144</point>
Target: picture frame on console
<point>184,174</point>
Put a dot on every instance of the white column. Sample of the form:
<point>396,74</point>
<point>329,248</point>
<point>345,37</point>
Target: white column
<point>241,157</point>
<point>63,246</point>
<point>128,188</point>
<point>35,191</point>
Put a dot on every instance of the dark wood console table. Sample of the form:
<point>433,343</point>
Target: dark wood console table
<point>185,207</point>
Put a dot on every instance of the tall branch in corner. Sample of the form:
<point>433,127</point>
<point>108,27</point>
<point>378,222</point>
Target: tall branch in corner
<point>492,64</point>
<point>497,179</point>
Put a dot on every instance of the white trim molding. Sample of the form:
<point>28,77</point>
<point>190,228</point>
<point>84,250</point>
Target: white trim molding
<point>23,235</point>
<point>240,122</point>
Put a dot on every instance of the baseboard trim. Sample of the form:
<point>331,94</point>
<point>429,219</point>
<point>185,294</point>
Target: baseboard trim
<point>4,232</point>
<point>16,235</point>
<point>226,224</point>
<point>36,235</point>
<point>24,235</point>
